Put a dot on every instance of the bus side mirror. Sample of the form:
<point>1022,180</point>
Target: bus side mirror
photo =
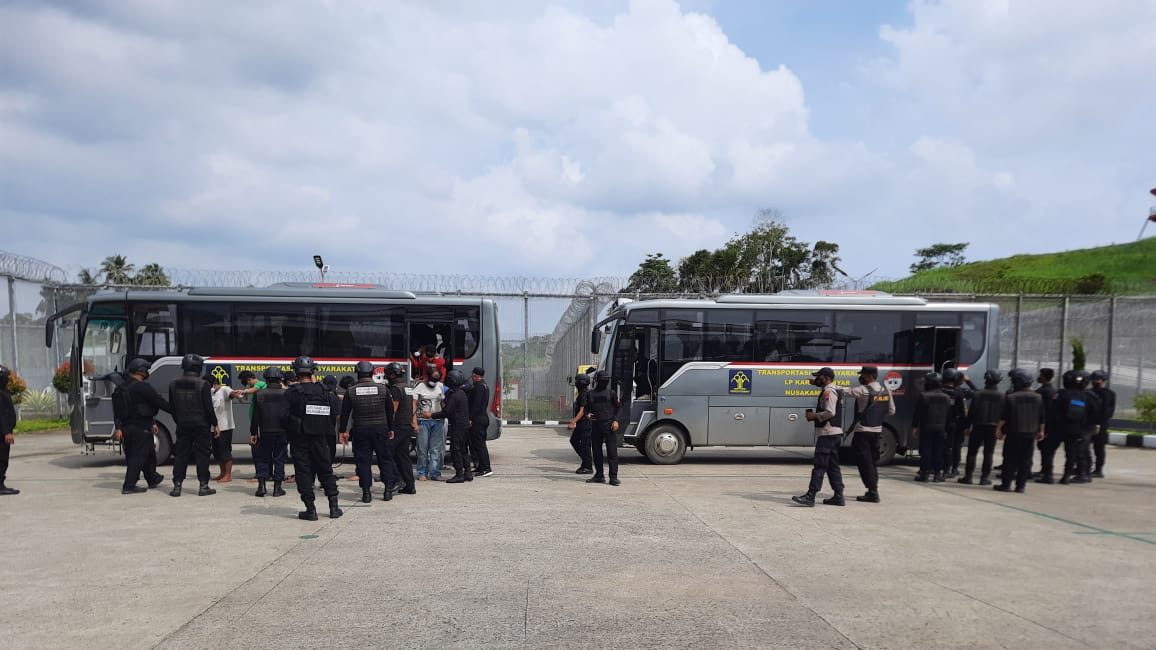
<point>595,341</point>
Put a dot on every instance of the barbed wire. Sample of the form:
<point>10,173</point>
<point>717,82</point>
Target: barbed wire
<point>23,267</point>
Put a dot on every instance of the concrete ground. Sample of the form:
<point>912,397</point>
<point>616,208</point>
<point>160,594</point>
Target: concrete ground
<point>705,554</point>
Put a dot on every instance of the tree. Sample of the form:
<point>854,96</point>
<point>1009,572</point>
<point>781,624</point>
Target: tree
<point>824,264</point>
<point>939,256</point>
<point>152,275</point>
<point>654,275</point>
<point>86,276</point>
<point>117,270</point>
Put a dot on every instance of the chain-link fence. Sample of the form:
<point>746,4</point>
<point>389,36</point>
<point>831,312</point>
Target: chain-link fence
<point>545,327</point>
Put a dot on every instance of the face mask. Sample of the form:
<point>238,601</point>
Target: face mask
<point>431,382</point>
<point>864,379</point>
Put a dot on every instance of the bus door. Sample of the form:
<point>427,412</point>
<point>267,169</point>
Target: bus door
<point>104,349</point>
<point>430,328</point>
<point>634,371</point>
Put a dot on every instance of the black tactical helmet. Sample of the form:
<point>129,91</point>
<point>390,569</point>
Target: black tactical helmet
<point>139,365</point>
<point>363,369</point>
<point>5,375</point>
<point>329,382</point>
<point>304,366</point>
<point>932,380</point>
<point>393,370</point>
<point>193,363</point>
<point>582,380</point>
<point>951,376</point>
<point>455,379</point>
<point>1070,381</point>
<point>601,377</point>
<point>1082,377</point>
<point>346,382</point>
<point>1020,377</point>
<point>273,373</point>
<point>1101,375</point>
<point>992,377</point>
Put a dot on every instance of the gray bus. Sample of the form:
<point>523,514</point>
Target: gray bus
<point>239,329</point>
<point>735,371</point>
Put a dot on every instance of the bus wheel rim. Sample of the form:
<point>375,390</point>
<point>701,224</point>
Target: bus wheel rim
<point>666,444</point>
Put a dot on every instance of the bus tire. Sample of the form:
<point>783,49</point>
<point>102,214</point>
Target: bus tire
<point>163,443</point>
<point>665,444</point>
<point>888,446</point>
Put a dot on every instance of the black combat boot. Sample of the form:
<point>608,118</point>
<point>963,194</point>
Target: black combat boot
<point>205,490</point>
<point>836,500</point>
<point>807,499</point>
<point>938,478</point>
<point>7,491</point>
<point>1003,487</point>
<point>176,491</point>
<point>966,480</point>
<point>872,496</point>
<point>597,478</point>
<point>277,489</point>
<point>260,488</point>
<point>1045,478</point>
<point>469,475</point>
<point>1080,478</point>
<point>387,495</point>
<point>921,477</point>
<point>334,510</point>
<point>458,477</point>
<point>366,497</point>
<point>984,480</point>
<point>310,513</point>
<point>1065,479</point>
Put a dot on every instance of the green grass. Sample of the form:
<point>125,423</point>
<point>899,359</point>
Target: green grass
<point>1120,269</point>
<point>33,425</point>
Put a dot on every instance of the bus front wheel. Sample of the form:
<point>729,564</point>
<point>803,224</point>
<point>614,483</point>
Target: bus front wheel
<point>163,443</point>
<point>665,445</point>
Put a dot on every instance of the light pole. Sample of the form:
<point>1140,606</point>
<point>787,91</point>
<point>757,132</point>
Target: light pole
<point>321,266</point>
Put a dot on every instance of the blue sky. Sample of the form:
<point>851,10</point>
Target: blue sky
<point>567,138</point>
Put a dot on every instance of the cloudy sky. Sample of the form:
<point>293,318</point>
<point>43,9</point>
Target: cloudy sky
<point>567,139</point>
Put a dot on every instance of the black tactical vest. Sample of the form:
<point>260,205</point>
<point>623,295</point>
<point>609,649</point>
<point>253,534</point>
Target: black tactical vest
<point>877,409</point>
<point>937,410</point>
<point>188,402</point>
<point>602,404</point>
<point>403,418</point>
<point>317,410</point>
<point>273,407</point>
<point>835,421</point>
<point>370,403</point>
<point>1024,406</point>
<point>986,408</point>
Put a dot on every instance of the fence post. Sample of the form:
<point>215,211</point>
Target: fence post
<point>525,355</point>
<point>1111,329</point>
<point>1019,317</point>
<point>1063,330</point>
<point>12,314</point>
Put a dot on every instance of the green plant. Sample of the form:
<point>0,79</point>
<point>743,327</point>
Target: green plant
<point>39,401</point>
<point>1145,404</point>
<point>1079,356</point>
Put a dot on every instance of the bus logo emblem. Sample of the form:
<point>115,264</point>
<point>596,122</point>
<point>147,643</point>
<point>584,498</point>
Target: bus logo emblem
<point>740,382</point>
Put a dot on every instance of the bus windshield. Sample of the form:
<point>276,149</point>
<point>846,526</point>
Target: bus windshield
<point>104,342</point>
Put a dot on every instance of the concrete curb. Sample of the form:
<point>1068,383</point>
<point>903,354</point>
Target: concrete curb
<point>531,423</point>
<point>1132,440</point>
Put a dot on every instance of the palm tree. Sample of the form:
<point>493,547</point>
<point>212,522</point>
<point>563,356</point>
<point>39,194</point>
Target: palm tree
<point>117,270</point>
<point>152,275</point>
<point>87,277</point>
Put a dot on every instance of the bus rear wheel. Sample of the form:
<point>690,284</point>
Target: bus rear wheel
<point>163,443</point>
<point>888,446</point>
<point>665,445</point>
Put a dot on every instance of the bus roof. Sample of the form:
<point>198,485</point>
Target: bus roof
<point>801,299</point>
<point>285,291</point>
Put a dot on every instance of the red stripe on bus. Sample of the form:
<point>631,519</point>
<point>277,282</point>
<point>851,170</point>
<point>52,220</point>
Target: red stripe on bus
<point>818,364</point>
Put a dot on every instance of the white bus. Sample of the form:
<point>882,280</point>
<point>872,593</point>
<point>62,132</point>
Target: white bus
<point>239,329</point>
<point>735,371</point>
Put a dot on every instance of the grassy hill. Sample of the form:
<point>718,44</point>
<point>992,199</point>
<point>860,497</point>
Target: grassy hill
<point>1118,269</point>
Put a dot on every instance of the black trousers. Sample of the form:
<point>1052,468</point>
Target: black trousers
<point>981,437</point>
<point>270,455</point>
<point>460,449</point>
<point>5,450</point>
<point>866,445</point>
<point>827,464</point>
<point>478,449</point>
<point>398,450</point>
<point>367,443</point>
<point>1017,458</point>
<point>140,455</point>
<point>331,439</point>
<point>953,450</point>
<point>1048,447</point>
<point>1100,444</point>
<point>580,441</point>
<point>1076,454</point>
<point>931,446</point>
<point>311,461</point>
<point>600,434</point>
<point>196,442</point>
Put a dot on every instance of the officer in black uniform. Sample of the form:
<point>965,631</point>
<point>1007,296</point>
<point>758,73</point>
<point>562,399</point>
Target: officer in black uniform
<point>982,418</point>
<point>135,404</point>
<point>1107,398</point>
<point>191,398</point>
<point>403,429</point>
<point>929,423</point>
<point>580,426</point>
<point>1077,409</point>
<point>479,397</point>
<point>456,412</point>
<point>372,409</point>
<point>329,383</point>
<point>1020,424</point>
<point>1053,432</point>
<point>7,428</point>
<point>602,406</point>
<point>309,420</point>
<point>267,433</point>
<point>953,386</point>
